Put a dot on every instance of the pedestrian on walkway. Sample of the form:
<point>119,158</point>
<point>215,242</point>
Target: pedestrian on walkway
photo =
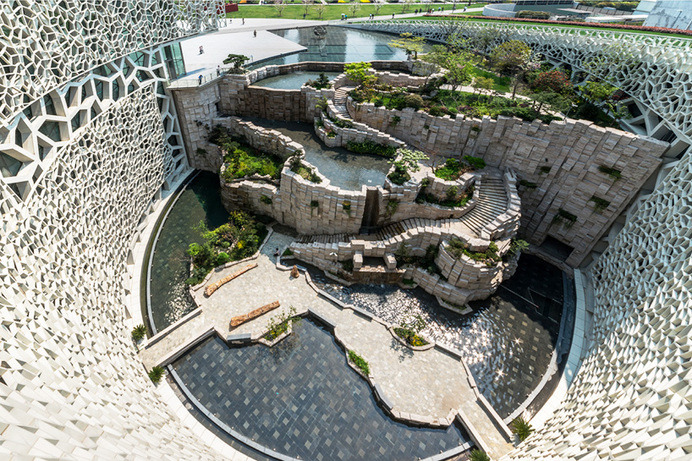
<point>218,71</point>
<point>255,33</point>
<point>465,9</point>
<point>200,80</point>
<point>392,15</point>
<point>201,49</point>
<point>243,21</point>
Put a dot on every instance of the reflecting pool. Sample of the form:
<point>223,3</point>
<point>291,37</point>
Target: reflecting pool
<point>301,399</point>
<point>339,44</point>
<point>343,168</point>
<point>292,81</point>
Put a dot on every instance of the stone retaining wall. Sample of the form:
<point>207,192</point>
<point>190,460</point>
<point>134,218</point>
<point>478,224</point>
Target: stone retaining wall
<point>561,159</point>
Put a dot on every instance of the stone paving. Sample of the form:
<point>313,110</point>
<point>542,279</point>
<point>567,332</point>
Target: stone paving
<point>508,340</point>
<point>429,383</point>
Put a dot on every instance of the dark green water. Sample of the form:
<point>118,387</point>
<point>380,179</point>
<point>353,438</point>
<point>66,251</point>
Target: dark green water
<point>292,81</point>
<point>200,201</point>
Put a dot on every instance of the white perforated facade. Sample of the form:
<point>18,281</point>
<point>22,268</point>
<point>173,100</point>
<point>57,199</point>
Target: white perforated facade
<point>88,136</point>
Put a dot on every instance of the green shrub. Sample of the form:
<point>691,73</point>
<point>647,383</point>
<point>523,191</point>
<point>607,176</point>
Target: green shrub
<point>612,172</point>
<point>527,184</point>
<point>346,207</point>
<point>452,192</point>
<point>155,374</point>
<point>452,170</point>
<point>413,100</point>
<point>266,200</point>
<point>532,14</point>
<point>565,217</point>
<point>517,246</point>
<point>242,160</point>
<point>522,428</point>
<point>239,238</point>
<point>278,325</point>
<point>451,201</point>
<point>359,362</point>
<point>314,204</point>
<point>287,252</point>
<point>544,170</point>
<point>456,248</point>
<point>139,332</point>
<point>478,455</point>
<point>370,147</point>
<point>347,265</point>
<point>600,204</point>
<point>392,206</point>
<point>304,171</point>
<point>395,120</point>
<point>410,336</point>
<point>400,174</point>
<point>476,163</point>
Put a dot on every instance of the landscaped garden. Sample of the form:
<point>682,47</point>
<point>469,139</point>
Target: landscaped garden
<point>512,81</point>
<point>242,160</point>
<point>239,238</point>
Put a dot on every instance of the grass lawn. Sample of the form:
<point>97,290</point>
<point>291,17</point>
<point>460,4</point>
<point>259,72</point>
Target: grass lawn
<point>332,11</point>
<point>502,84</point>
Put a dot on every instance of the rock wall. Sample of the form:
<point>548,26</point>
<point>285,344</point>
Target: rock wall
<point>561,160</point>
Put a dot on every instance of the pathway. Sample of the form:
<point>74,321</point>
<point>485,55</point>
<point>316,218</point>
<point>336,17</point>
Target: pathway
<point>429,384</point>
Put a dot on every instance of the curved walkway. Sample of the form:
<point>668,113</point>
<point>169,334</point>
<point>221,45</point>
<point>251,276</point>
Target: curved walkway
<point>428,384</point>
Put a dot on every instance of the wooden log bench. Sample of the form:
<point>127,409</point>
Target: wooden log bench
<point>240,319</point>
<point>216,285</point>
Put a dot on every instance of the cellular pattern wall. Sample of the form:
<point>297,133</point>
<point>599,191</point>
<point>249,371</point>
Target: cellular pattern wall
<point>70,382</point>
<point>48,43</point>
<point>632,396</point>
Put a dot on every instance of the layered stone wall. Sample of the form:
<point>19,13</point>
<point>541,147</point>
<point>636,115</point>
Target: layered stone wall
<point>630,399</point>
<point>561,159</point>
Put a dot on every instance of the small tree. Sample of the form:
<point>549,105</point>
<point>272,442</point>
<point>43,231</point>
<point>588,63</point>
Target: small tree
<point>279,6</point>
<point>378,7</point>
<point>521,428</point>
<point>319,9</point>
<point>478,455</point>
<point>601,94</point>
<point>139,332</point>
<point>306,6</point>
<point>156,374</point>
<point>407,5</point>
<point>552,81</point>
<point>555,101</point>
<point>411,44</point>
<point>360,73</point>
<point>353,9</point>
<point>514,58</point>
<point>237,60</point>
<point>483,84</point>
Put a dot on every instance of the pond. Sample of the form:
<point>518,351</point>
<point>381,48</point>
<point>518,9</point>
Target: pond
<point>169,296</point>
<point>338,44</point>
<point>343,168</point>
<point>292,81</point>
<point>301,399</point>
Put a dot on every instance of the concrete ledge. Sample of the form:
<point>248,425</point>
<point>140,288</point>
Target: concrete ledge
<point>239,338</point>
<point>173,355</point>
<point>163,333</point>
<point>401,341</point>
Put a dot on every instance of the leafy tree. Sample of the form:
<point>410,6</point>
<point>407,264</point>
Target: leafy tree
<point>457,64</point>
<point>556,101</point>
<point>238,60</point>
<point>411,44</point>
<point>522,428</point>
<point>483,84</point>
<point>360,73</point>
<point>156,374</point>
<point>514,58</point>
<point>601,94</point>
<point>139,332</point>
<point>552,81</point>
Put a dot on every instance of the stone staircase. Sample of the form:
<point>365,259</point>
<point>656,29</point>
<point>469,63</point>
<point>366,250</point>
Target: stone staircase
<point>492,202</point>
<point>340,98</point>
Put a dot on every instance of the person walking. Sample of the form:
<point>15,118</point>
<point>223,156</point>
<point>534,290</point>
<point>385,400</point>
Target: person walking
<point>200,79</point>
<point>255,33</point>
<point>243,21</point>
<point>201,49</point>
